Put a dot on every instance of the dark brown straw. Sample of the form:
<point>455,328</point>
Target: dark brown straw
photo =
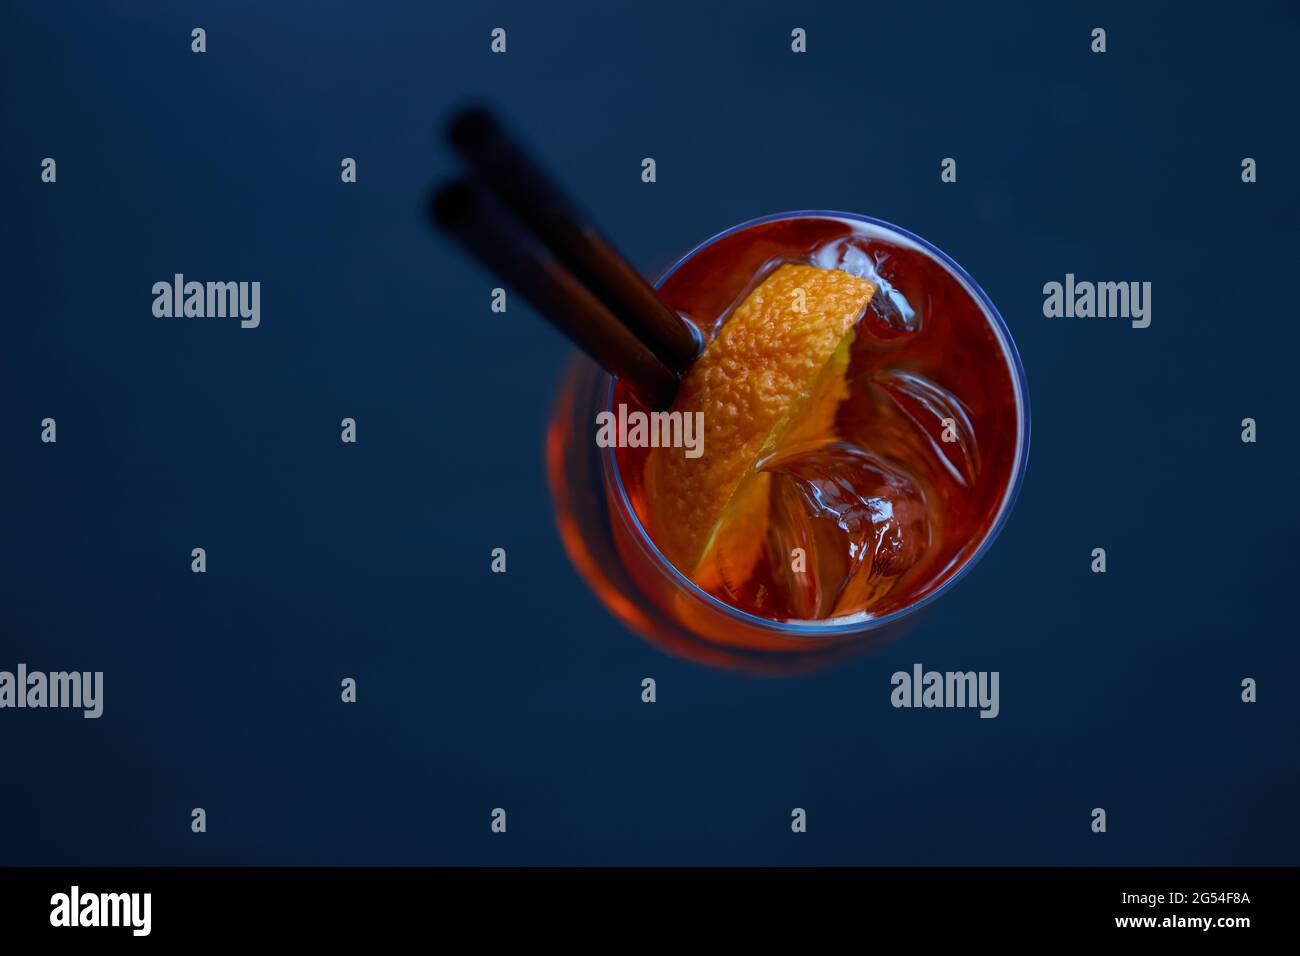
<point>468,210</point>
<point>558,224</point>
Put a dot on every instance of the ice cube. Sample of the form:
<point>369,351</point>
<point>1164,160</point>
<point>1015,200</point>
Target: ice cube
<point>940,418</point>
<point>860,521</point>
<point>888,315</point>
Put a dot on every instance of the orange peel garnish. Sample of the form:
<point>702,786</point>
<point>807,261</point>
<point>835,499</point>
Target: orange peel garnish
<point>776,370</point>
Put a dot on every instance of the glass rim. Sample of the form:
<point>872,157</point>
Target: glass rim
<point>848,624</point>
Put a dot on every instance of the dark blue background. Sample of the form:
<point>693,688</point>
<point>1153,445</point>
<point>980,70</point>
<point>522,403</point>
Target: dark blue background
<point>371,560</point>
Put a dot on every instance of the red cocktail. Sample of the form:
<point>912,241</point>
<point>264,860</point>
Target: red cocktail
<point>844,491</point>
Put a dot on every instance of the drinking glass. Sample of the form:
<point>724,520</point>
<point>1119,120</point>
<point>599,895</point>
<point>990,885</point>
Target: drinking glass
<point>606,539</point>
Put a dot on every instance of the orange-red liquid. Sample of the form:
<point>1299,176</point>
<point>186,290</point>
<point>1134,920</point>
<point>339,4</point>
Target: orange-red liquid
<point>909,480</point>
